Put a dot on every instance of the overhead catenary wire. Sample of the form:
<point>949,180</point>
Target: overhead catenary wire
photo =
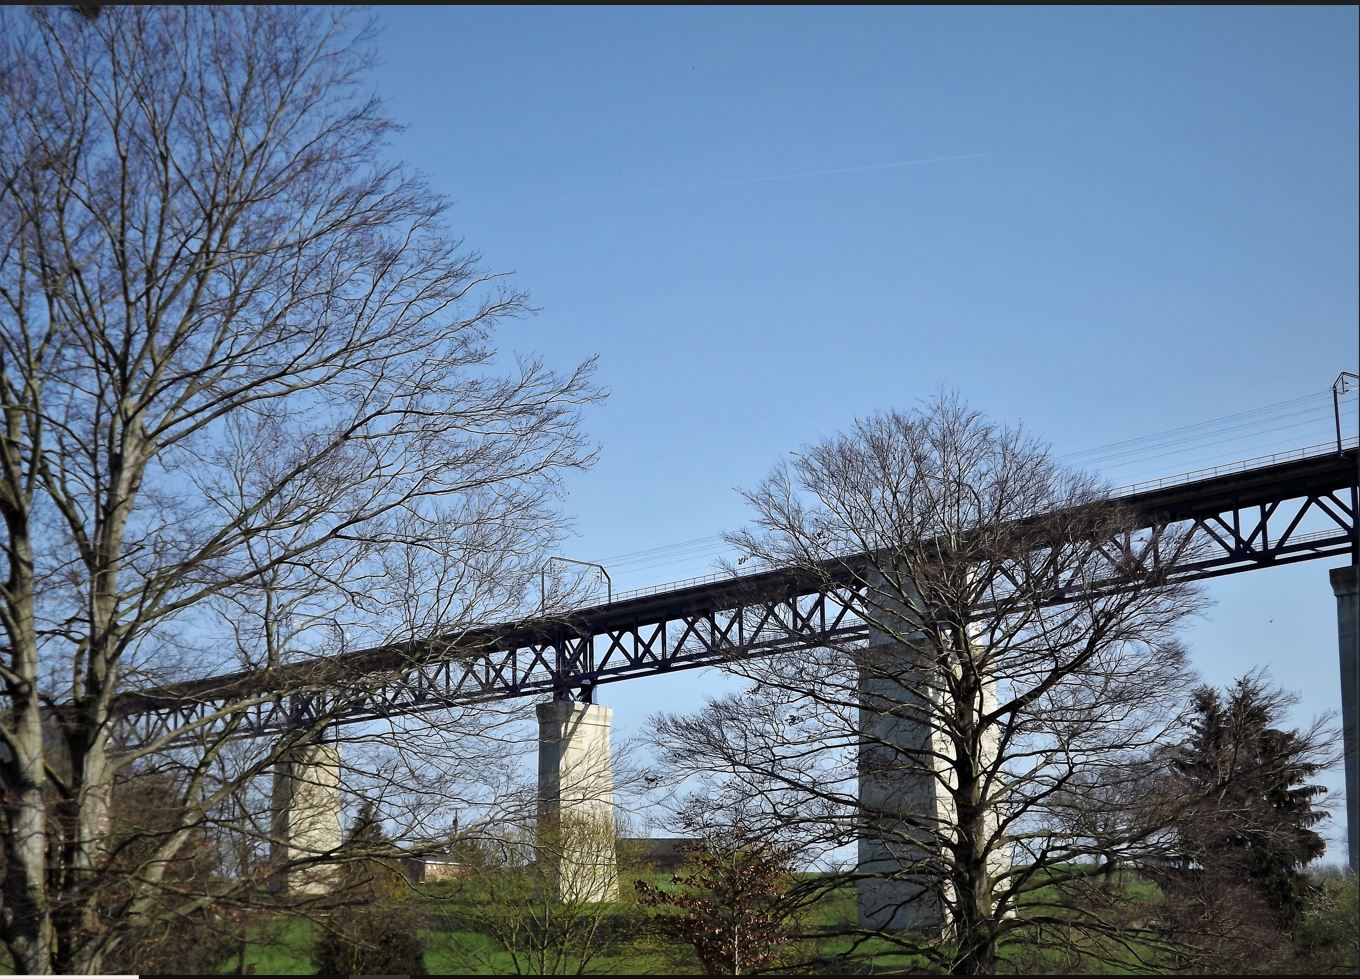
<point>652,550</point>
<point>1222,438</point>
<point>1264,427</point>
<point>1209,428</point>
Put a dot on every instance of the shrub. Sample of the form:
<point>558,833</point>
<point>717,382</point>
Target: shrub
<point>358,942</point>
<point>1328,935</point>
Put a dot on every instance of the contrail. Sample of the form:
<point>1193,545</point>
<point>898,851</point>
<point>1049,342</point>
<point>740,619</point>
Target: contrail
<point>797,176</point>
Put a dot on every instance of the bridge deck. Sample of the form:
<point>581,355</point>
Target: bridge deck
<point>1247,519</point>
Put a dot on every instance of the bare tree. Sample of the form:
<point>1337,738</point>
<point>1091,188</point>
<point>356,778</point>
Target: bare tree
<point>247,377</point>
<point>513,895</point>
<point>738,904</point>
<point>1020,662</point>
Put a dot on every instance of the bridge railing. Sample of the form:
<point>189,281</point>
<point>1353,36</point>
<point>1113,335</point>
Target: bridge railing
<point>1257,462</point>
<point>703,579</point>
<point>1131,489</point>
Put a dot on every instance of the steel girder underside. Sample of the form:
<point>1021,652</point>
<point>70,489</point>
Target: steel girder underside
<point>1295,511</point>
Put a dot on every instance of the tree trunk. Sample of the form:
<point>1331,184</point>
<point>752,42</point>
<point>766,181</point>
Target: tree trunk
<point>86,826</point>
<point>26,914</point>
<point>974,926</point>
<point>977,957</point>
<point>85,830</point>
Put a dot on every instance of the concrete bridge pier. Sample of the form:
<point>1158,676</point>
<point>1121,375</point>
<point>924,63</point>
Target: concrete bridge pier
<point>1345,582</point>
<point>576,800</point>
<point>905,776</point>
<point>305,819</point>
<point>902,801</point>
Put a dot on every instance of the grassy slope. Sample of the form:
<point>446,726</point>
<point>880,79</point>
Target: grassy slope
<point>284,946</point>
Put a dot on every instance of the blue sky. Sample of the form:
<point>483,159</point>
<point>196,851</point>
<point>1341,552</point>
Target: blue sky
<point>1132,220</point>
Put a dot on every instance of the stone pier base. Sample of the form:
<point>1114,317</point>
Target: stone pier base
<point>906,778</point>
<point>306,819</point>
<point>576,800</point>
<point>904,805</point>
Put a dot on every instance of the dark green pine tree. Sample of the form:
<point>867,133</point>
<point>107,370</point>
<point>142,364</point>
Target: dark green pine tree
<point>367,833</point>
<point>1250,804</point>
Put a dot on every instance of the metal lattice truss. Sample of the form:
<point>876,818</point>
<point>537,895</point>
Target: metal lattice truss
<point>1302,528</point>
<point>570,661</point>
<point>1276,515</point>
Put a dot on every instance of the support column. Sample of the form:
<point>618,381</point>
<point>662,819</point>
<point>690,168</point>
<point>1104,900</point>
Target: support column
<point>905,777</point>
<point>306,819</point>
<point>1344,584</point>
<point>576,800</point>
<point>903,805</point>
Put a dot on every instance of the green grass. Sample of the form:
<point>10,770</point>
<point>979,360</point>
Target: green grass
<point>280,947</point>
<point>282,944</point>
<point>633,942</point>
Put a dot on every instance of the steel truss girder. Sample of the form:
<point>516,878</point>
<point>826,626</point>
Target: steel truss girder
<point>1266,534</point>
<point>1229,532</point>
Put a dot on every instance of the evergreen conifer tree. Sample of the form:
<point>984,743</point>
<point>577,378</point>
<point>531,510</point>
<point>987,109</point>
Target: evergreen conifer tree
<point>1251,806</point>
